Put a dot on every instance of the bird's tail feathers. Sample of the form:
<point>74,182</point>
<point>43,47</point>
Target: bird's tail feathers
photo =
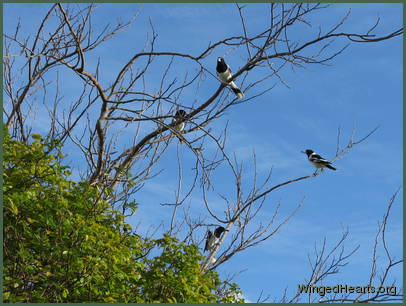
<point>330,167</point>
<point>179,135</point>
<point>238,92</point>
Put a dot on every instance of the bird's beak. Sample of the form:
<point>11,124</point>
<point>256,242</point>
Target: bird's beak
<point>303,152</point>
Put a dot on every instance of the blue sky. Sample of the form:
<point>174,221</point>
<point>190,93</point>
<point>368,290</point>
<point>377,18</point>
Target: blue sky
<point>361,88</point>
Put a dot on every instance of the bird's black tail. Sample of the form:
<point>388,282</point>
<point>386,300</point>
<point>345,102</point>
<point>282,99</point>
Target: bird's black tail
<point>238,92</point>
<point>330,167</point>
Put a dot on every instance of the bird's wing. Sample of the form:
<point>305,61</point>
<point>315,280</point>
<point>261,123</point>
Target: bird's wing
<point>209,235</point>
<point>318,159</point>
<point>316,156</point>
<point>219,231</point>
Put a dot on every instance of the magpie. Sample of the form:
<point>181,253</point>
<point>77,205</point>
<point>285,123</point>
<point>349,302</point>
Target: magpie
<point>224,74</point>
<point>317,160</point>
<point>213,238</point>
<point>180,115</point>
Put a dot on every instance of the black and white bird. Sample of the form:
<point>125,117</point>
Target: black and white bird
<point>213,238</point>
<point>224,74</point>
<point>318,161</point>
<point>179,116</point>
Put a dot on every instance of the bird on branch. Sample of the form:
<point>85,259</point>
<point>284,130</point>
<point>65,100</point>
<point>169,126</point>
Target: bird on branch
<point>224,74</point>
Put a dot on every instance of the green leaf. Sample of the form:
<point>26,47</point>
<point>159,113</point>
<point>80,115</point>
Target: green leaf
<point>6,295</point>
<point>59,232</point>
<point>12,207</point>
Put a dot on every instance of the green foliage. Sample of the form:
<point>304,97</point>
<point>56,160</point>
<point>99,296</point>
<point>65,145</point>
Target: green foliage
<point>63,242</point>
<point>175,276</point>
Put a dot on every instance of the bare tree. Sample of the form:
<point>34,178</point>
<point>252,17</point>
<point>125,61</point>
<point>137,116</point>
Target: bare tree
<point>324,263</point>
<point>102,113</point>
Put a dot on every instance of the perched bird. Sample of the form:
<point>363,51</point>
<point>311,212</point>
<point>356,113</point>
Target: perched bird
<point>317,160</point>
<point>213,260</point>
<point>180,114</point>
<point>224,74</point>
<point>213,238</point>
